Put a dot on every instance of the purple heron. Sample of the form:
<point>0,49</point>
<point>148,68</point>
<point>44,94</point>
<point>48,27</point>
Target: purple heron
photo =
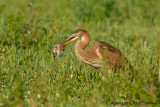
<point>99,54</point>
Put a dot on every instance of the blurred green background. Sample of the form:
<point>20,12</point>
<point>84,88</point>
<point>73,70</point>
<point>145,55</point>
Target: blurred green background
<point>31,76</point>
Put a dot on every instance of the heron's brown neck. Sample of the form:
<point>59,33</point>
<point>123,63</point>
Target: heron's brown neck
<point>81,44</point>
<point>83,55</point>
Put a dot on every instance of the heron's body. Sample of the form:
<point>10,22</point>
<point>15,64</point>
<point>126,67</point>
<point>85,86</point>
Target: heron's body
<point>99,54</point>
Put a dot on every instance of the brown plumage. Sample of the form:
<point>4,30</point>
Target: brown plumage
<point>98,54</point>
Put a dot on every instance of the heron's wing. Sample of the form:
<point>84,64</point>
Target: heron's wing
<point>102,46</point>
<point>111,55</point>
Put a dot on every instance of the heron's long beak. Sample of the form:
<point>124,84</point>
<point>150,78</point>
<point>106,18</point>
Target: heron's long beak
<point>70,38</point>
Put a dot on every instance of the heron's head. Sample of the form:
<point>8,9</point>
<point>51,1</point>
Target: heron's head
<point>74,35</point>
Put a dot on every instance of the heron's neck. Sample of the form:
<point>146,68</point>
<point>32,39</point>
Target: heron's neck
<point>85,56</point>
<point>81,44</point>
<point>80,47</point>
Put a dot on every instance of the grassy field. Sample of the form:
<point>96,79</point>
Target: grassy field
<point>31,76</point>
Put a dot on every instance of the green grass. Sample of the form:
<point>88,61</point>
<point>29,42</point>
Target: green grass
<point>31,76</point>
